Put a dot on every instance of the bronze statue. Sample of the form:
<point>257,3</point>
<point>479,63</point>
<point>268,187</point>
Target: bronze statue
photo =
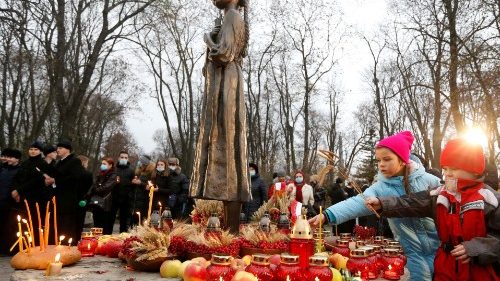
<point>220,169</point>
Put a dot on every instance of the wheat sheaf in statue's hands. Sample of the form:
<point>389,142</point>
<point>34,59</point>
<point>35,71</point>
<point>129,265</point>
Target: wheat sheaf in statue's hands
<point>373,203</point>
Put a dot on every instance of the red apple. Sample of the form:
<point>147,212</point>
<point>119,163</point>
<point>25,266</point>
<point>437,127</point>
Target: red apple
<point>195,271</point>
<point>275,259</point>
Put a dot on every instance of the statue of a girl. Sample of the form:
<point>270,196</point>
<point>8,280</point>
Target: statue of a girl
<point>221,168</point>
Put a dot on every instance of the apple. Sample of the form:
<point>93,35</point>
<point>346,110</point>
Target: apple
<point>202,261</point>
<point>338,261</point>
<point>244,276</point>
<point>195,271</point>
<point>336,276</point>
<point>275,259</point>
<point>170,268</point>
<point>182,268</point>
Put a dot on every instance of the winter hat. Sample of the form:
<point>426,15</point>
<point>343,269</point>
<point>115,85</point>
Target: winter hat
<point>66,143</point>
<point>49,149</point>
<point>255,167</point>
<point>10,152</point>
<point>281,173</point>
<point>37,144</point>
<point>145,159</point>
<point>399,143</point>
<point>463,155</point>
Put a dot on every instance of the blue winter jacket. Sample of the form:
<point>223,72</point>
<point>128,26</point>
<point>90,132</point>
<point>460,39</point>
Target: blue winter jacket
<point>417,236</point>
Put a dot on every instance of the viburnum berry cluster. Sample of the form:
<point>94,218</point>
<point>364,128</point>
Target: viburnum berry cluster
<point>232,249</point>
<point>364,232</point>
<point>262,244</point>
<point>177,245</point>
<point>127,246</point>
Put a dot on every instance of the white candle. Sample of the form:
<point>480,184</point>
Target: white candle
<point>55,267</point>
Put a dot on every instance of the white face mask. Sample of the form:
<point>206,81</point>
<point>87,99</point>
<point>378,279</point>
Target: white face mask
<point>172,168</point>
<point>160,169</point>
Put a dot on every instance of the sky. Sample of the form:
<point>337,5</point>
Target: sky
<point>363,16</point>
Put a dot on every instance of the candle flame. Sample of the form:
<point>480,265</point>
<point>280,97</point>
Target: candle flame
<point>24,221</point>
<point>359,273</point>
<point>58,257</point>
<point>139,213</point>
<point>288,278</point>
<point>18,234</point>
<point>29,239</point>
<point>316,279</point>
<point>88,247</point>
<point>70,240</point>
<point>26,233</point>
<point>18,218</point>
<point>150,183</point>
<point>61,238</point>
<point>220,278</point>
<point>390,267</point>
<point>159,203</point>
<point>41,229</point>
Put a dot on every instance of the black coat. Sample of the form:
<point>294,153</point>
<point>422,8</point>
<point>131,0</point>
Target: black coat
<point>7,174</point>
<point>123,189</point>
<point>259,196</point>
<point>30,181</point>
<point>69,173</point>
<point>103,186</point>
<point>170,183</point>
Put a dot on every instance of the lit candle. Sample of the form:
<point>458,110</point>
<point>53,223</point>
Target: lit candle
<point>159,203</point>
<point>55,219</point>
<point>139,214</point>
<point>391,274</point>
<point>288,278</point>
<point>42,240</point>
<point>55,267</point>
<point>69,242</point>
<point>61,238</point>
<point>19,233</point>
<point>28,228</point>
<point>151,194</point>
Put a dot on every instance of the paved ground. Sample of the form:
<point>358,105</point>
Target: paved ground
<point>5,269</point>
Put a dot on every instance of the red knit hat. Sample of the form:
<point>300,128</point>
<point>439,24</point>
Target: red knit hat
<point>400,144</point>
<point>463,155</point>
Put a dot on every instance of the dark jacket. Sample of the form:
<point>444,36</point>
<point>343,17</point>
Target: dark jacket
<point>30,182</point>
<point>123,188</point>
<point>103,187</point>
<point>483,250</point>
<point>166,188</point>
<point>259,196</point>
<point>7,174</point>
<point>140,194</point>
<point>319,197</point>
<point>68,176</point>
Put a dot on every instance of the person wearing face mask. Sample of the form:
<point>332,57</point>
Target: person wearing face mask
<point>122,191</point>
<point>178,183</point>
<point>162,190</point>
<point>258,189</point>
<point>300,190</point>
<point>101,195</point>
<point>140,191</point>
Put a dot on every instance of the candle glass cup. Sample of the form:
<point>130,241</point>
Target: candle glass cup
<point>342,247</point>
<point>220,268</point>
<point>289,269</point>
<point>260,268</point>
<point>87,245</point>
<point>393,258</point>
<point>318,269</point>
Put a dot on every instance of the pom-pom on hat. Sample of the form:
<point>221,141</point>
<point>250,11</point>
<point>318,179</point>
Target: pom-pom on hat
<point>464,155</point>
<point>400,144</point>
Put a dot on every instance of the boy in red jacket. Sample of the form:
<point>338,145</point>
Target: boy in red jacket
<point>465,211</point>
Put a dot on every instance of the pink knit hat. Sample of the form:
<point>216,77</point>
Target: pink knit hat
<point>400,144</point>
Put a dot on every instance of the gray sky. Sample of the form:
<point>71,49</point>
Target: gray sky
<point>364,16</point>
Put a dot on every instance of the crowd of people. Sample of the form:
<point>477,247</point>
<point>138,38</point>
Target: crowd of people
<point>55,174</point>
<point>459,220</point>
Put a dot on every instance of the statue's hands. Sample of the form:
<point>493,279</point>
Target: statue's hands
<point>208,40</point>
<point>373,203</point>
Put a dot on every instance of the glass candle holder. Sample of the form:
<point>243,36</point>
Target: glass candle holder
<point>318,269</point>
<point>342,247</point>
<point>345,236</point>
<point>220,268</point>
<point>289,269</point>
<point>391,274</point>
<point>167,222</point>
<point>96,231</point>
<point>304,248</point>
<point>393,258</point>
<point>260,268</point>
<point>378,240</point>
<point>377,253</point>
<point>373,269</point>
<point>359,263</point>
<point>88,244</point>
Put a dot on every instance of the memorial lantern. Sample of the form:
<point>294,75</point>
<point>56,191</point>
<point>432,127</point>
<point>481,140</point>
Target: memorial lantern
<point>301,241</point>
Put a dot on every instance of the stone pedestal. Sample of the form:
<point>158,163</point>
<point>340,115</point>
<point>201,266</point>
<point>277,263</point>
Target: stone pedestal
<point>93,268</point>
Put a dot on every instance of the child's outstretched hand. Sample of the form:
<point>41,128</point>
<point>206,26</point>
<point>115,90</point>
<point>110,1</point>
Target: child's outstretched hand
<point>373,202</point>
<point>460,253</point>
<point>314,221</point>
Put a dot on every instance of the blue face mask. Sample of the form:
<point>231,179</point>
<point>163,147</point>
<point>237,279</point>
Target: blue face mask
<point>103,167</point>
<point>252,172</point>
<point>123,162</point>
<point>299,180</point>
<point>160,169</point>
